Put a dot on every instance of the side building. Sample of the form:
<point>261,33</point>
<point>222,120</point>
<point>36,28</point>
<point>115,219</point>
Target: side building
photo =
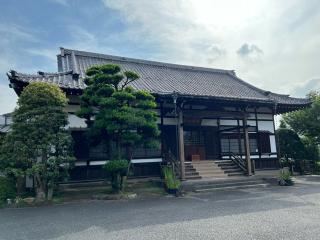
<point>203,114</point>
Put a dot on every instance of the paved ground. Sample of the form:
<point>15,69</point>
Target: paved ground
<point>269,213</point>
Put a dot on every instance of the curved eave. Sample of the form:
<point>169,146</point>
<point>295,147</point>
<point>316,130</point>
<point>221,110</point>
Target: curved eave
<point>286,108</point>
<point>19,81</point>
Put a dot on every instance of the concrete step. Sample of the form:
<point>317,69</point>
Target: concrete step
<point>191,173</point>
<point>232,187</point>
<point>190,170</point>
<point>233,170</point>
<point>204,164</point>
<point>193,177</point>
<point>224,183</point>
<point>229,167</point>
<point>207,168</point>
<point>211,176</point>
<point>225,164</point>
<point>210,171</point>
<point>236,174</point>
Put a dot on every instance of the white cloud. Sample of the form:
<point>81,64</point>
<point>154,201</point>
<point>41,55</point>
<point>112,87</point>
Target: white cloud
<point>8,99</point>
<point>61,2</point>
<point>283,37</point>
<point>49,53</point>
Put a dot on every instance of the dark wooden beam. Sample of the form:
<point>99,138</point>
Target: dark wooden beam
<point>181,144</point>
<point>247,145</point>
<point>213,114</point>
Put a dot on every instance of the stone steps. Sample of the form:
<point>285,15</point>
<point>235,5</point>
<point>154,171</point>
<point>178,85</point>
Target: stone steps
<point>212,169</point>
<point>223,184</point>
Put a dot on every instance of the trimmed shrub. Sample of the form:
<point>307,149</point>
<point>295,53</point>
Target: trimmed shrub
<point>7,189</point>
<point>118,169</point>
<point>285,177</point>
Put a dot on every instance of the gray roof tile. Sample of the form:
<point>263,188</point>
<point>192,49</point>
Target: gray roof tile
<point>159,78</point>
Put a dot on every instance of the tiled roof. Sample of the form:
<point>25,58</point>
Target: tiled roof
<point>159,78</point>
<point>65,80</point>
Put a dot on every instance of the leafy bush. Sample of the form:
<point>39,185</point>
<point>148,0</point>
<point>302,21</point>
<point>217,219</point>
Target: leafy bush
<point>317,167</point>
<point>7,189</point>
<point>117,166</point>
<point>286,162</point>
<point>118,169</point>
<point>170,178</point>
<point>285,178</point>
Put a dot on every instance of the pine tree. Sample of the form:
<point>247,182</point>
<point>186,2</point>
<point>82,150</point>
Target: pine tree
<point>121,114</point>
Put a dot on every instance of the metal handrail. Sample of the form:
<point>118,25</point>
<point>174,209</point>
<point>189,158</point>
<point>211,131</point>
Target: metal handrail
<point>238,161</point>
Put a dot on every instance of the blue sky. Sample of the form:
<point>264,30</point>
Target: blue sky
<point>272,44</point>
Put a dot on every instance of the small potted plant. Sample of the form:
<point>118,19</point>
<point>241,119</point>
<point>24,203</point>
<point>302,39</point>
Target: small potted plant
<point>285,177</point>
<point>172,185</point>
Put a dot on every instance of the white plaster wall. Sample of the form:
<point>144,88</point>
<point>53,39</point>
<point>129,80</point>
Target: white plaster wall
<point>209,122</point>
<point>273,143</point>
<point>251,116</point>
<point>76,122</point>
<point>250,122</point>
<point>265,126</point>
<point>2,120</point>
<point>149,160</point>
<point>264,116</point>
<point>170,121</point>
<point>229,122</point>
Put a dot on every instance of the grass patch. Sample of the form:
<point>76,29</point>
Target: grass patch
<point>104,192</point>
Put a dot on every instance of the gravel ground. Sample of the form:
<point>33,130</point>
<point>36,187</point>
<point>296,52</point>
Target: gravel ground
<point>259,213</point>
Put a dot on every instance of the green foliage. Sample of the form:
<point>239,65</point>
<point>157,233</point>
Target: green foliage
<point>311,149</point>
<point>117,166</point>
<point>38,143</point>
<point>285,178</point>
<point>317,167</point>
<point>118,169</point>
<point>290,144</point>
<point>7,189</point>
<point>122,114</point>
<point>170,179</point>
<point>306,122</point>
<point>286,162</point>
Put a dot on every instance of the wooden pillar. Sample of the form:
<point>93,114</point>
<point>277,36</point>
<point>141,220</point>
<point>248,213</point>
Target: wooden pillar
<point>161,129</point>
<point>181,145</point>
<point>247,145</point>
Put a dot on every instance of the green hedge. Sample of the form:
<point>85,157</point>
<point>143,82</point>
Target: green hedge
<point>7,189</point>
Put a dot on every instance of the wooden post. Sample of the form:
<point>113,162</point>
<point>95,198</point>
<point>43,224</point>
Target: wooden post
<point>161,129</point>
<point>247,145</point>
<point>181,144</point>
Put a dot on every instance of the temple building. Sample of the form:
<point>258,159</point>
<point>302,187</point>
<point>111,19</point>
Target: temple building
<point>212,122</point>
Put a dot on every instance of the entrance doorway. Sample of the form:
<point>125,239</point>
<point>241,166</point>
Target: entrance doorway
<point>201,143</point>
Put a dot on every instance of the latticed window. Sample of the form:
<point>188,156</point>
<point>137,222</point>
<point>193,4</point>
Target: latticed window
<point>231,144</point>
<point>195,138</point>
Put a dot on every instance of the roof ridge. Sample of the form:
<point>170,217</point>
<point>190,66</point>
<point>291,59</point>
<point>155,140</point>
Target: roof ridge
<point>40,73</point>
<point>65,51</point>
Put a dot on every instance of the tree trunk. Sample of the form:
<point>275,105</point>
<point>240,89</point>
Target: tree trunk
<point>40,189</point>
<point>50,187</point>
<point>21,185</point>
<point>50,193</point>
<point>119,149</point>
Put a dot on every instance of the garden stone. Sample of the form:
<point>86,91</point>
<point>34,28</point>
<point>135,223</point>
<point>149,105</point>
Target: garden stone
<point>132,196</point>
<point>29,200</point>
